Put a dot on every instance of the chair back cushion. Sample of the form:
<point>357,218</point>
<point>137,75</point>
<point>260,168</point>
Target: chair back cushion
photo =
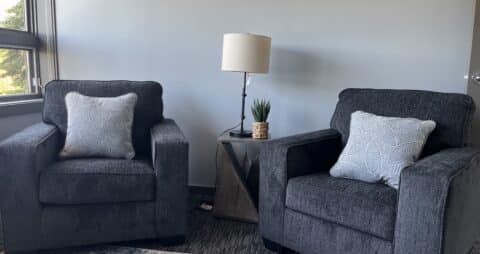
<point>148,110</point>
<point>452,113</point>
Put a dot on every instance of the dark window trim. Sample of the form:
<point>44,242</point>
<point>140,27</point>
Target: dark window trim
<point>20,97</point>
<point>22,107</point>
<point>18,39</point>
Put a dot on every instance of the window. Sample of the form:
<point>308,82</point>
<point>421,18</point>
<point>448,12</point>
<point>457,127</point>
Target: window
<point>12,14</point>
<point>18,50</point>
<point>14,72</point>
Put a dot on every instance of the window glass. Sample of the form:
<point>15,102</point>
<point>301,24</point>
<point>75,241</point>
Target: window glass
<point>14,72</point>
<point>12,14</point>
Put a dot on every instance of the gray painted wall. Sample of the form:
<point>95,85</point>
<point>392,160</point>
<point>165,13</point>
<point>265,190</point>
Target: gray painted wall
<point>319,48</point>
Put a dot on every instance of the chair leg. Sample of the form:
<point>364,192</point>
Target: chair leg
<point>275,247</point>
<point>172,241</point>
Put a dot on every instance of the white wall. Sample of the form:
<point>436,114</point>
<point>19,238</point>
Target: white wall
<point>319,48</point>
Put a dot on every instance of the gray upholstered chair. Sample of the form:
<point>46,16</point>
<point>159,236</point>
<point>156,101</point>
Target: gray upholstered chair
<point>436,209</point>
<point>50,203</point>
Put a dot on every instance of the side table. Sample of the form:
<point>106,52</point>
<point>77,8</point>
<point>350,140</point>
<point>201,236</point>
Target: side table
<point>235,198</point>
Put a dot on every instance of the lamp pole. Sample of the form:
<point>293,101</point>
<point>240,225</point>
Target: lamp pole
<point>242,133</point>
<point>244,94</point>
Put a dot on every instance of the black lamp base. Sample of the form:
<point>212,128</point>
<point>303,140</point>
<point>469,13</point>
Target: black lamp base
<point>240,134</point>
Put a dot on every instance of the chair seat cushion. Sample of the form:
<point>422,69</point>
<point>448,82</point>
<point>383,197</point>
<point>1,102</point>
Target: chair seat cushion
<point>93,181</point>
<point>366,207</point>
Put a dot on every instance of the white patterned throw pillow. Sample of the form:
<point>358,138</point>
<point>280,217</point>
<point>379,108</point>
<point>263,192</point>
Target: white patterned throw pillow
<point>99,126</point>
<point>379,148</point>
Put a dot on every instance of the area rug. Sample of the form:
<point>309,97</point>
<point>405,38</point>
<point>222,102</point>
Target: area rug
<point>476,248</point>
<point>210,235</point>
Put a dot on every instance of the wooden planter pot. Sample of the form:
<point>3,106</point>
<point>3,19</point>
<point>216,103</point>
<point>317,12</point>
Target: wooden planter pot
<point>260,130</point>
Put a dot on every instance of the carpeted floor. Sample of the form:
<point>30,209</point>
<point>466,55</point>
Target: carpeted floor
<point>476,248</point>
<point>215,236</point>
<point>108,249</point>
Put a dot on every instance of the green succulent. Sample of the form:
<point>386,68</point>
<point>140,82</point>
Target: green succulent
<point>260,110</point>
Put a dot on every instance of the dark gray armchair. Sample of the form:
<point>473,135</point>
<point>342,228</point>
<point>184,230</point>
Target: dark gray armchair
<point>49,203</point>
<point>437,207</point>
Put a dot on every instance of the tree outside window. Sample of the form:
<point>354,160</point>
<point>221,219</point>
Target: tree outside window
<point>13,62</point>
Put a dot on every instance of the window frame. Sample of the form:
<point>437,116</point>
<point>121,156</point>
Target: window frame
<point>25,40</point>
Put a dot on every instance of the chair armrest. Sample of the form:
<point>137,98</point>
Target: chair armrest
<point>285,158</point>
<point>22,157</point>
<point>438,203</point>
<point>170,161</point>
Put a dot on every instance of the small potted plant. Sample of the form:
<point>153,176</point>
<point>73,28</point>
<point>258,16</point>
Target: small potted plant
<point>260,111</point>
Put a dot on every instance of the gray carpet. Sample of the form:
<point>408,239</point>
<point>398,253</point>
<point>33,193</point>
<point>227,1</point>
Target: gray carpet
<point>476,248</point>
<point>109,249</point>
<point>216,236</point>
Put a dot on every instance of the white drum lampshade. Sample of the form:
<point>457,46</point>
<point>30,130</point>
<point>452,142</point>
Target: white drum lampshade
<point>246,53</point>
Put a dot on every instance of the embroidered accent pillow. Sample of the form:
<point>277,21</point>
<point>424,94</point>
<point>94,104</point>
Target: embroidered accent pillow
<point>379,148</point>
<point>99,126</point>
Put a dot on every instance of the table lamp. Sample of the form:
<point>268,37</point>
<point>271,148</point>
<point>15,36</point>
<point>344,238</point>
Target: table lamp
<point>247,53</point>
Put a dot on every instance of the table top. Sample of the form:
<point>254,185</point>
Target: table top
<point>225,138</point>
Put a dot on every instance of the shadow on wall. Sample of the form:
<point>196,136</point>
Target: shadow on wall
<point>295,67</point>
<point>329,70</point>
<point>301,68</point>
<point>199,126</point>
<point>305,74</point>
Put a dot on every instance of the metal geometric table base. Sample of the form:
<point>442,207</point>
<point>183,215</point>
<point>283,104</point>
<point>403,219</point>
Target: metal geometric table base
<point>233,200</point>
